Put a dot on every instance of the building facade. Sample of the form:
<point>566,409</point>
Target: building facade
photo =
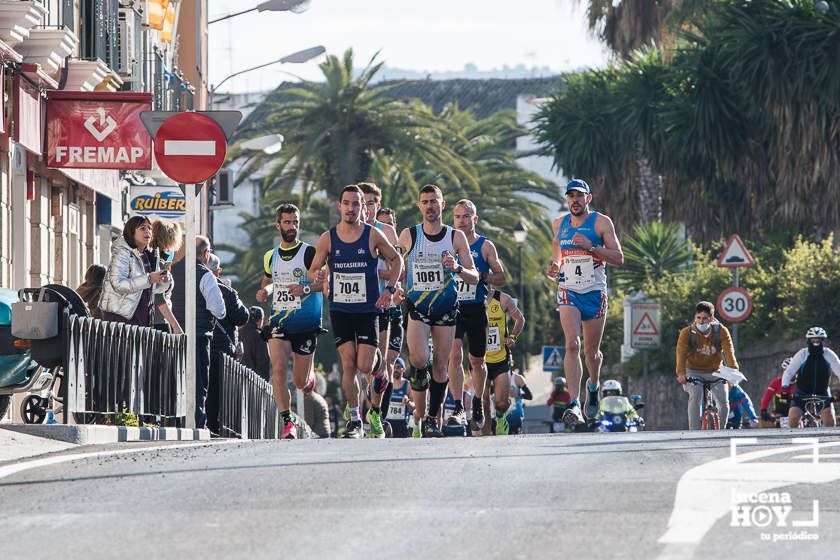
<point>54,223</point>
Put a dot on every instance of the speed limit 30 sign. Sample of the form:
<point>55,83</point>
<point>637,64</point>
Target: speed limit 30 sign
<point>734,305</point>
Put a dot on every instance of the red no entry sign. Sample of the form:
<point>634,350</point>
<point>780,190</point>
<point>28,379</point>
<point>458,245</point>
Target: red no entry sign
<point>190,147</point>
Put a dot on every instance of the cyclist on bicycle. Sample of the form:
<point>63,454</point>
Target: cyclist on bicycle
<point>780,401</point>
<point>813,366</point>
<point>559,399</point>
<point>701,349</point>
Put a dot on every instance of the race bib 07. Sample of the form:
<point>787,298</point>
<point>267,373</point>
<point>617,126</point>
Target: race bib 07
<point>349,288</point>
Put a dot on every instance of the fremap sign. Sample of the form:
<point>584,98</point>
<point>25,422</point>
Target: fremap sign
<point>98,130</point>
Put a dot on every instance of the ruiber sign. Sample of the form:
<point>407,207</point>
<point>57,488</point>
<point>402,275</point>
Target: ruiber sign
<point>98,130</point>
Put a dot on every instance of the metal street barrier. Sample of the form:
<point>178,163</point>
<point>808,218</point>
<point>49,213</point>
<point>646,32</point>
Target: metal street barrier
<point>247,408</point>
<point>117,368</point>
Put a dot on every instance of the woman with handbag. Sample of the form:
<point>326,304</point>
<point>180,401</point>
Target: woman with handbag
<point>131,282</point>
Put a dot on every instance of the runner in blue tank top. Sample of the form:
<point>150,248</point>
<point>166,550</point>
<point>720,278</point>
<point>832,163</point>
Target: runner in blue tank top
<point>472,316</point>
<point>352,249</point>
<point>399,405</point>
<point>432,301</point>
<point>390,319</point>
<point>584,243</point>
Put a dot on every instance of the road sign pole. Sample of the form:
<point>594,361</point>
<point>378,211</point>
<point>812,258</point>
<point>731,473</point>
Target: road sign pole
<point>735,326</point>
<point>189,301</point>
<point>645,373</point>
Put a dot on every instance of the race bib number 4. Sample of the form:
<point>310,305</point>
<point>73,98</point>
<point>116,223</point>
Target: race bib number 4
<point>579,271</point>
<point>427,277</point>
<point>284,300</point>
<point>466,292</point>
<point>493,342</point>
<point>349,288</point>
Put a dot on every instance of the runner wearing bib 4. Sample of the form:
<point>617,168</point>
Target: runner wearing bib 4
<point>353,248</point>
<point>472,315</point>
<point>295,322</point>
<point>498,357</point>
<point>431,268</point>
<point>584,242</point>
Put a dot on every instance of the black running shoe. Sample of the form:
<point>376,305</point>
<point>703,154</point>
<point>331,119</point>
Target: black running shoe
<point>477,421</point>
<point>354,430</point>
<point>431,428</point>
<point>457,418</point>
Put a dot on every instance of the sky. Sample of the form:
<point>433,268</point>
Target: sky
<point>425,35</point>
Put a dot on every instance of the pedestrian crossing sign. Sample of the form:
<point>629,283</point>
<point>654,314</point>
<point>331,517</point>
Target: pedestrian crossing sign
<point>553,358</point>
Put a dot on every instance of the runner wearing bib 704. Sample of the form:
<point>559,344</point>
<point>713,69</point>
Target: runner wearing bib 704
<point>353,249</point>
<point>584,242</point>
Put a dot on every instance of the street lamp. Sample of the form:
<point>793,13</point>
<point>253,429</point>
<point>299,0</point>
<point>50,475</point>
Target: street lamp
<point>269,144</point>
<point>294,6</point>
<point>520,234</point>
<point>298,57</point>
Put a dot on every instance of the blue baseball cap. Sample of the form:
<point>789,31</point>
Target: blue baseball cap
<point>578,185</point>
<point>399,362</point>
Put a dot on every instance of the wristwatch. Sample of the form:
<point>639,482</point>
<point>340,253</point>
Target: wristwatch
<point>391,289</point>
<point>306,289</point>
<point>459,270</point>
<point>513,337</point>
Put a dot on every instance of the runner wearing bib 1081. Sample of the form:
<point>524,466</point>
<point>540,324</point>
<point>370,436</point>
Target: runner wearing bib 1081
<point>295,322</point>
<point>353,249</point>
<point>472,316</point>
<point>390,319</point>
<point>432,297</point>
<point>584,243</point>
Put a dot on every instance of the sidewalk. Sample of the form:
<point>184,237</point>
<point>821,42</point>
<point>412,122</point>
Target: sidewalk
<point>15,445</point>
<point>20,441</point>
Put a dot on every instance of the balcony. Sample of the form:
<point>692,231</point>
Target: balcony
<point>17,18</point>
<point>48,47</point>
<point>91,75</point>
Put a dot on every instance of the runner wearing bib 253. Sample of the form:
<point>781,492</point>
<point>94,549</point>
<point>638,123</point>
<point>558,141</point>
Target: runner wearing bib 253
<point>295,321</point>
<point>584,242</point>
<point>430,250</point>
<point>353,249</point>
<point>472,316</point>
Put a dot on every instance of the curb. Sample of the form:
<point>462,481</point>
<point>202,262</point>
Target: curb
<point>93,435</point>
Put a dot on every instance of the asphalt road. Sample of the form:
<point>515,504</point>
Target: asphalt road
<point>645,495</point>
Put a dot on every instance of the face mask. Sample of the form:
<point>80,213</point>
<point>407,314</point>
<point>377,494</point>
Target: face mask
<point>815,348</point>
<point>704,327</point>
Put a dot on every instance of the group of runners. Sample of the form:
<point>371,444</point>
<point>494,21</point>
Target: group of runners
<point>448,278</point>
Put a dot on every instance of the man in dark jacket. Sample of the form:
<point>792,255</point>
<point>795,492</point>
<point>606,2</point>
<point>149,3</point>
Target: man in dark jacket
<point>223,342</point>
<point>254,347</point>
<point>209,308</point>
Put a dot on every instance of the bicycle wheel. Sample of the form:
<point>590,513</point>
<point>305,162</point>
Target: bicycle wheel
<point>710,420</point>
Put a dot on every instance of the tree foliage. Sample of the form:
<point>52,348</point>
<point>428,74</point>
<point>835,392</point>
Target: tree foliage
<point>742,121</point>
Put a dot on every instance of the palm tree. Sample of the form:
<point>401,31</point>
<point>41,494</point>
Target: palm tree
<point>654,250</point>
<point>334,128</point>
